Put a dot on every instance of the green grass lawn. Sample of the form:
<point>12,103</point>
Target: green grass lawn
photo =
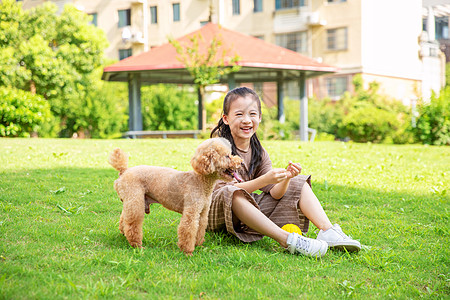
<point>59,234</point>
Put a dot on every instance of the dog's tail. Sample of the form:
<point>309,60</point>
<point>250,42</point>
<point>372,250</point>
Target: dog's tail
<point>119,160</point>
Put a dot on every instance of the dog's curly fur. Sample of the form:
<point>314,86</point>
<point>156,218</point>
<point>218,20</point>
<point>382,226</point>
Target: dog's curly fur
<point>188,193</point>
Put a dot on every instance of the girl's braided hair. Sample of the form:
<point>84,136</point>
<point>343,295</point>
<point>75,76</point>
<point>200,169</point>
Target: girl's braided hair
<point>223,130</point>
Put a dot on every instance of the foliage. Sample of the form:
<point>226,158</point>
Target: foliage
<point>167,107</point>
<point>51,55</point>
<point>433,123</point>
<point>59,218</point>
<point>206,68</point>
<point>447,74</point>
<point>22,113</point>
<point>325,115</point>
<point>214,110</point>
<point>102,113</point>
<point>271,128</point>
<point>364,116</point>
<point>368,124</point>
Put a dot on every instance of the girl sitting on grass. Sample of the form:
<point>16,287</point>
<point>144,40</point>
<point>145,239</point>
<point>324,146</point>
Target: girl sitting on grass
<point>286,196</point>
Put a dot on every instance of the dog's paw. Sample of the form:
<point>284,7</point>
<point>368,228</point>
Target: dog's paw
<point>199,242</point>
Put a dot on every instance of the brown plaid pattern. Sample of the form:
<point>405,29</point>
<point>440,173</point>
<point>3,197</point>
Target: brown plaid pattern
<point>283,211</point>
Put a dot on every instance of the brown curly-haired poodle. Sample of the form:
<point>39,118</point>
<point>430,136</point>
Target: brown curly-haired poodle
<point>188,193</point>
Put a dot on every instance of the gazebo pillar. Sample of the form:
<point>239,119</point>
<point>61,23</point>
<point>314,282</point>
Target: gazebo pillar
<point>231,81</point>
<point>134,101</point>
<point>303,109</point>
<point>280,98</point>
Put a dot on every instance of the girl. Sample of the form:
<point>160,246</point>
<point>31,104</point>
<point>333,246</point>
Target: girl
<point>286,196</point>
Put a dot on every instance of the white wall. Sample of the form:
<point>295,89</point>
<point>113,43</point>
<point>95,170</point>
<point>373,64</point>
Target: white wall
<point>390,38</point>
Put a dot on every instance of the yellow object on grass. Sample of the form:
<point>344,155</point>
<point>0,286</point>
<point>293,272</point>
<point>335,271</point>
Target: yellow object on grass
<point>291,228</point>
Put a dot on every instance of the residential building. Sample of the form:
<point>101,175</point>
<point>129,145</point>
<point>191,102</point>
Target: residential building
<point>381,40</point>
<point>439,21</point>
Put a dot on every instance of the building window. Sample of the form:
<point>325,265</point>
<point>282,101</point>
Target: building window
<point>153,14</point>
<point>336,86</point>
<point>236,7</point>
<point>284,4</point>
<point>336,1</point>
<point>295,41</point>
<point>257,6</point>
<point>94,19</point>
<point>176,12</point>
<point>337,39</point>
<point>124,53</point>
<point>124,18</point>
<point>441,28</point>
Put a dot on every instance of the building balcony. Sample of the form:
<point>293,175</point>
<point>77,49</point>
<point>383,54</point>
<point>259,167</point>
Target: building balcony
<point>133,36</point>
<point>296,20</point>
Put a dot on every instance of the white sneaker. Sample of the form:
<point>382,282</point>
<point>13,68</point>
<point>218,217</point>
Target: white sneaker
<point>339,240</point>
<point>306,246</point>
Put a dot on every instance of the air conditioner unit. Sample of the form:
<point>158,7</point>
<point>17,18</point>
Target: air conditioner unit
<point>313,19</point>
<point>137,37</point>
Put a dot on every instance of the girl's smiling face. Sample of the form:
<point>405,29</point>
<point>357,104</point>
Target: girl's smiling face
<point>243,118</point>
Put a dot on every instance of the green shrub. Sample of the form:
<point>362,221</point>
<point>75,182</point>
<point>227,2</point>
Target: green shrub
<point>167,107</point>
<point>363,116</point>
<point>22,113</point>
<point>325,115</point>
<point>369,124</point>
<point>433,123</point>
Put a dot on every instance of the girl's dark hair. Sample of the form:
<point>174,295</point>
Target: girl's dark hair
<point>223,130</point>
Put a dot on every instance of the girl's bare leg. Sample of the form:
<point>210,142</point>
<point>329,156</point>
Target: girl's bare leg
<point>256,220</point>
<point>312,209</point>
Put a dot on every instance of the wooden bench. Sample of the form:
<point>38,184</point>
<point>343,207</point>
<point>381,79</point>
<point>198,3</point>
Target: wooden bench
<point>161,134</point>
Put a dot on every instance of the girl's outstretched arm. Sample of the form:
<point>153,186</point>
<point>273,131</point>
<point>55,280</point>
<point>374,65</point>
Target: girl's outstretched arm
<point>274,176</point>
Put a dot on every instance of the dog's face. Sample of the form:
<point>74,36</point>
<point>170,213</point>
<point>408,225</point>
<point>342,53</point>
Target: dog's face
<point>214,156</point>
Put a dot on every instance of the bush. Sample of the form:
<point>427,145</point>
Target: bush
<point>167,107</point>
<point>22,113</point>
<point>433,123</point>
<point>364,116</point>
<point>325,115</point>
<point>369,124</point>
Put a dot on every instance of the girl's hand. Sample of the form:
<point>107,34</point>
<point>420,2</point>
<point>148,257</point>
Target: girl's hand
<point>276,175</point>
<point>293,169</point>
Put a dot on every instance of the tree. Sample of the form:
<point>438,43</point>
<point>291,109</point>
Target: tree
<point>206,67</point>
<point>52,56</point>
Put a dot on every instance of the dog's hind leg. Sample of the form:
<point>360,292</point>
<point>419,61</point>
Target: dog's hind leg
<point>187,230</point>
<point>133,217</point>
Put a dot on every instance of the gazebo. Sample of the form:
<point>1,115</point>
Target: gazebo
<point>260,61</point>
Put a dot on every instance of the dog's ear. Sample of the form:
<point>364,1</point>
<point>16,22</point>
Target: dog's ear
<point>203,161</point>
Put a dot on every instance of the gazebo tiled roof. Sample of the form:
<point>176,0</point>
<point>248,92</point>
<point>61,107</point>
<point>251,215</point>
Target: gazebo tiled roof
<point>259,60</point>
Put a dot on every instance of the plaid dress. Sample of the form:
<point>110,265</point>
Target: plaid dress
<point>283,211</point>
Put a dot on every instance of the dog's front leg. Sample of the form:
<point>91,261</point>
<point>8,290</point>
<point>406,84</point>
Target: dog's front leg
<point>203,223</point>
<point>187,230</point>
